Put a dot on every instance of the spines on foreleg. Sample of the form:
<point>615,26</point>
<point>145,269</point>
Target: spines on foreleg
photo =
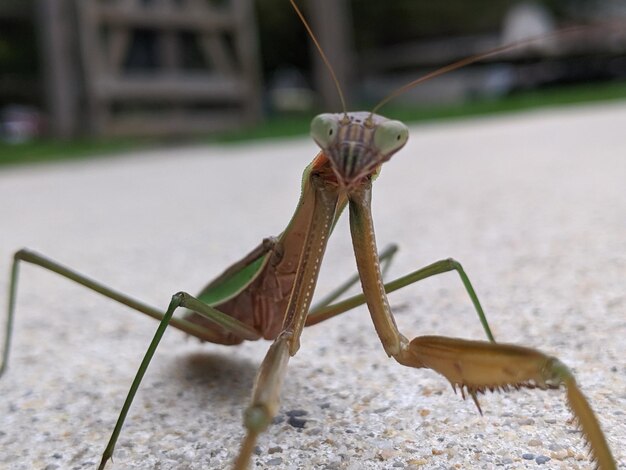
<point>476,367</point>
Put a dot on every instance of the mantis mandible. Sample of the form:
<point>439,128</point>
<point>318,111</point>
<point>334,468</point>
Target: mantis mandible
<point>268,293</point>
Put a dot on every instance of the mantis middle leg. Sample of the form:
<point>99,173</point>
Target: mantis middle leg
<point>323,311</point>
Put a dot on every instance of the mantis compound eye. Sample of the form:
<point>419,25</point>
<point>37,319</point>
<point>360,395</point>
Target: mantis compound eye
<point>390,136</point>
<point>324,129</point>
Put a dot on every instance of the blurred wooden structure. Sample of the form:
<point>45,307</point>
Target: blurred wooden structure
<point>171,67</point>
<point>331,21</point>
<point>144,67</point>
<point>197,71</point>
<point>56,31</point>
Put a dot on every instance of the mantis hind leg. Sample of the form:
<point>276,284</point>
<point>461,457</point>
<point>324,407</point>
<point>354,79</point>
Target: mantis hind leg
<point>328,310</point>
<point>180,299</point>
<point>225,321</point>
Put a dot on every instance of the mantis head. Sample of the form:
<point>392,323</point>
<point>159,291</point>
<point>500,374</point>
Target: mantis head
<point>357,143</point>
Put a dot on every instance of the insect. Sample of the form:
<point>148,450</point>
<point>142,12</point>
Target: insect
<point>275,281</point>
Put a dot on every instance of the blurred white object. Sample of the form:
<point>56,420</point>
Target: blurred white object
<point>290,92</point>
<point>527,20</point>
<point>19,123</point>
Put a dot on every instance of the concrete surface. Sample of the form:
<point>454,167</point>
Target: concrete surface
<point>533,205</point>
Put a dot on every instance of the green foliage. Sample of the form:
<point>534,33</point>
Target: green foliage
<point>51,150</point>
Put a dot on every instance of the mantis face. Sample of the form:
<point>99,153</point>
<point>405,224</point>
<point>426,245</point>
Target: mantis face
<point>357,143</point>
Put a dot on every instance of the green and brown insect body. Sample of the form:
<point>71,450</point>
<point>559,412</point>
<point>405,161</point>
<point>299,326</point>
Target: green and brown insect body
<point>268,293</point>
<point>256,289</point>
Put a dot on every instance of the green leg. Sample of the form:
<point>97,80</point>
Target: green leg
<point>181,299</point>
<point>386,257</point>
<point>210,313</point>
<point>10,315</point>
<point>325,312</point>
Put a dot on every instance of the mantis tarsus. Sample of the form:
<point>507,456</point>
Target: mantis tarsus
<point>327,187</point>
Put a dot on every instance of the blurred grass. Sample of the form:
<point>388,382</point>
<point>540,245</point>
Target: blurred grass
<point>289,126</point>
<point>548,97</point>
<point>51,150</point>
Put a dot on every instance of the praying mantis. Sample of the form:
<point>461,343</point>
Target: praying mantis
<point>337,179</point>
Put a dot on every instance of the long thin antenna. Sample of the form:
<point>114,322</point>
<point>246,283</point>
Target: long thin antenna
<point>324,58</point>
<point>472,59</point>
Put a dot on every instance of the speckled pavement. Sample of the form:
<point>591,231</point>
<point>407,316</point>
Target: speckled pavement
<point>532,204</point>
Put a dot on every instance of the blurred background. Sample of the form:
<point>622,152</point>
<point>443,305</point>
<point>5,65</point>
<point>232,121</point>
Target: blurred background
<point>95,76</point>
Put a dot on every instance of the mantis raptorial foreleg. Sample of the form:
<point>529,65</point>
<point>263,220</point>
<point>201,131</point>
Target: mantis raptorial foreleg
<point>478,366</point>
<point>473,366</point>
<point>266,393</point>
<point>265,396</point>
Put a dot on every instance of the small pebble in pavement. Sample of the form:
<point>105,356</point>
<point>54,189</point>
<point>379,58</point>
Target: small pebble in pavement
<point>541,459</point>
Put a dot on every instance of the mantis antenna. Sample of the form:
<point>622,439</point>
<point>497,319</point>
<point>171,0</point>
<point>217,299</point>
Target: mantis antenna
<point>324,58</point>
<point>472,59</point>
